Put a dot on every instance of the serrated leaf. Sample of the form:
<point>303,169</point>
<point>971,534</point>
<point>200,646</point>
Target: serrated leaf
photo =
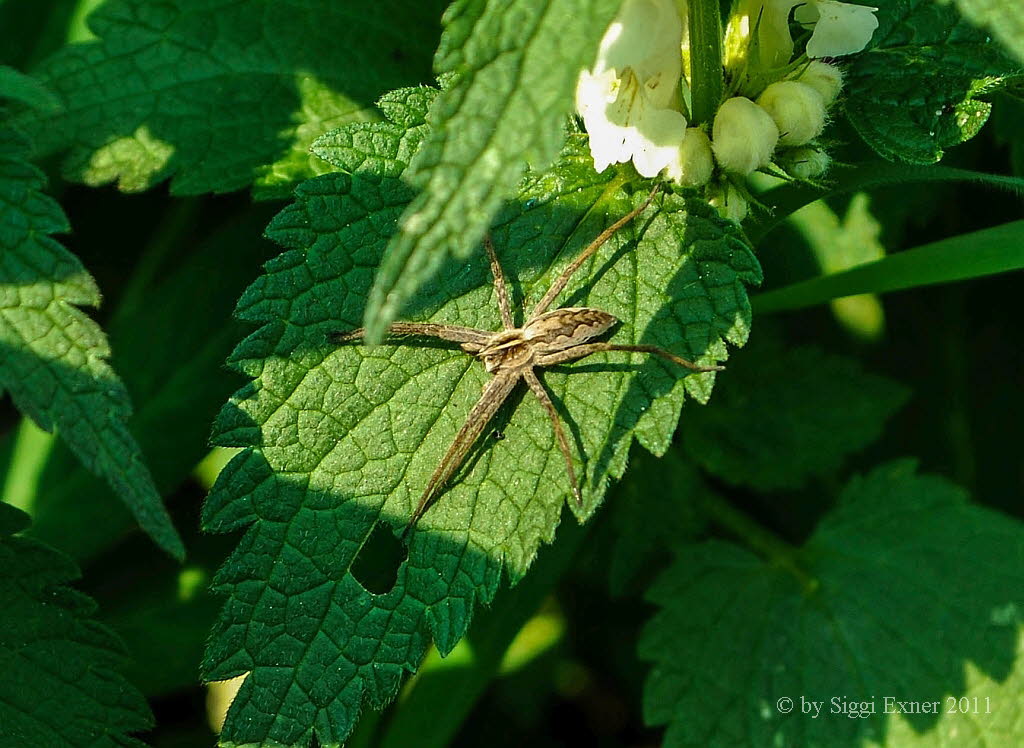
<point>787,414</point>
<point>434,707</point>
<point>904,591</point>
<point>383,148</point>
<point>62,684</point>
<point>1004,19</point>
<point>918,40</point>
<point>220,95</point>
<point>341,439</point>
<point>515,64</point>
<point>52,356</point>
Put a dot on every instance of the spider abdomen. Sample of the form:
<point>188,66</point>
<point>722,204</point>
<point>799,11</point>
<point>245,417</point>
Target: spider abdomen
<point>564,328</point>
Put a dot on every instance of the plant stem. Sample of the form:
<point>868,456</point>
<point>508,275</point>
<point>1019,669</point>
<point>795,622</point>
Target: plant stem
<point>178,220</point>
<point>775,550</point>
<point>706,84</point>
<point>77,30</point>
<point>32,448</point>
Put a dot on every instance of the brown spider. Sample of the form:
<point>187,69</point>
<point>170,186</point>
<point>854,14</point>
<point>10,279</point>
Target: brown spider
<point>512,354</point>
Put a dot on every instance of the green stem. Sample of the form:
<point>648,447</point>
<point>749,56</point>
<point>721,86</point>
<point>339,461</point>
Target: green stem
<point>32,448</point>
<point>706,84</point>
<point>78,30</point>
<point>775,550</point>
<point>167,240</point>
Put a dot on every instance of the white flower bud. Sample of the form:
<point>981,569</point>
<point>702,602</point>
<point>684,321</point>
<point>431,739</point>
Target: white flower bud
<point>804,162</point>
<point>695,163</point>
<point>797,110</point>
<point>826,79</point>
<point>728,201</point>
<point>743,136</point>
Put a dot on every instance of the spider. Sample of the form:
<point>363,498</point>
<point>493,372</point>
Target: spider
<point>513,353</point>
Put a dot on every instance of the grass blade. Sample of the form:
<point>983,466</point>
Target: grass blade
<point>995,250</point>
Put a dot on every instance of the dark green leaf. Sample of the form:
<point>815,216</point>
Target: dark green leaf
<point>341,440</point>
<point>27,90</point>
<point>221,94</point>
<point>52,356</point>
<point>898,115</point>
<point>62,684</point>
<point>654,509</point>
<point>905,591</point>
<point>784,415</point>
<point>515,64</point>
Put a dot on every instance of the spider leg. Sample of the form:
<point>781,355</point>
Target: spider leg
<point>500,287</point>
<point>563,444</point>
<point>472,340</point>
<point>581,351</point>
<point>586,254</point>
<point>494,394</point>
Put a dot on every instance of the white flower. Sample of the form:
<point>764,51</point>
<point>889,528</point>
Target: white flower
<point>772,47</point>
<point>839,28</point>
<point>629,101</point>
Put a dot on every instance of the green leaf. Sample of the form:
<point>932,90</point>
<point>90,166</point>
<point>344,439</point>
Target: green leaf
<point>515,64</point>
<point>343,439</point>
<point>221,94</point>
<point>917,41</point>
<point>62,684</point>
<point>784,415</point>
<point>27,90</point>
<point>985,252</point>
<point>654,509</point>
<point>1004,19</point>
<point>53,357</point>
<point>383,148</point>
<point>839,243</point>
<point>905,590</point>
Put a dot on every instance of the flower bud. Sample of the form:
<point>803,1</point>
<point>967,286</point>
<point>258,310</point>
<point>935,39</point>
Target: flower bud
<point>804,162</point>
<point>743,136</point>
<point>695,160</point>
<point>797,110</point>
<point>728,201</point>
<point>826,79</point>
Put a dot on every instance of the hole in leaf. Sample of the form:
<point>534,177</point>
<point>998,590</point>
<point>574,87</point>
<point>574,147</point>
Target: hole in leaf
<point>376,565</point>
